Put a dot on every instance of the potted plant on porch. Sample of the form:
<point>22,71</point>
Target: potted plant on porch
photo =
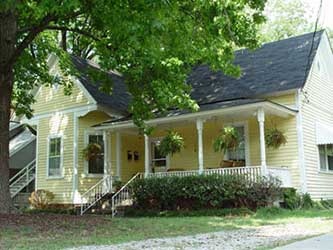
<point>172,143</point>
<point>275,138</point>
<point>228,139</point>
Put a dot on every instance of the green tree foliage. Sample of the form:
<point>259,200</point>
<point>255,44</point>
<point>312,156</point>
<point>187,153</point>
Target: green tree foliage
<point>153,43</point>
<point>285,18</point>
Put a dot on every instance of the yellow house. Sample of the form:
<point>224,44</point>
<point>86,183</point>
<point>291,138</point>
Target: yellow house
<point>286,84</point>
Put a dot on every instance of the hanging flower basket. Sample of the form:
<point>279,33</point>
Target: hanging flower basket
<point>91,151</point>
<point>228,139</point>
<point>172,143</point>
<point>275,138</point>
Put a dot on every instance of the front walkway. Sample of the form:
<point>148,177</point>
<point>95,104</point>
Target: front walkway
<point>243,239</point>
<point>323,242</point>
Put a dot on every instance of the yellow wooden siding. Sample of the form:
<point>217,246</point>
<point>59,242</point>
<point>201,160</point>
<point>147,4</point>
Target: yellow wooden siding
<point>285,99</point>
<point>84,124</point>
<point>317,108</point>
<point>286,155</point>
<point>57,124</point>
<point>49,99</point>
<point>130,143</point>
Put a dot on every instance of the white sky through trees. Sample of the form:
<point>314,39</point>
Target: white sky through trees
<point>326,18</point>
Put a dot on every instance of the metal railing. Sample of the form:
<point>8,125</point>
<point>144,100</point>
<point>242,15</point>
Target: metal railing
<point>124,195</point>
<point>22,178</point>
<point>96,193</point>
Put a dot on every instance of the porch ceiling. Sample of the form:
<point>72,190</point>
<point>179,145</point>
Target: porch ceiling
<point>226,110</point>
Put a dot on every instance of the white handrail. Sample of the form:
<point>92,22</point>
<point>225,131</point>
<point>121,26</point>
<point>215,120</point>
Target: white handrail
<point>21,171</point>
<point>123,194</point>
<point>27,173</point>
<point>95,193</point>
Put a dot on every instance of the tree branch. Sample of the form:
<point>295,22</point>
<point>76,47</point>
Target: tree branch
<point>29,38</point>
<point>75,30</point>
<point>33,32</point>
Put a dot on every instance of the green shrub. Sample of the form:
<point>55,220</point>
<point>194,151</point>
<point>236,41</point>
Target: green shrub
<point>204,192</point>
<point>51,210</point>
<point>293,200</point>
<point>306,201</point>
<point>323,204</point>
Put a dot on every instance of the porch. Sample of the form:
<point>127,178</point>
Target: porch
<point>128,153</point>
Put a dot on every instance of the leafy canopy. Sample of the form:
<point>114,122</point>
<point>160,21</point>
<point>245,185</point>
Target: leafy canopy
<point>153,43</point>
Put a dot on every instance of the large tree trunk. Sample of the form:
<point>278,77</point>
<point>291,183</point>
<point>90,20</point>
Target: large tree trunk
<point>7,46</point>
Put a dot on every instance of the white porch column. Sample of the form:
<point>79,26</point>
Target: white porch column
<point>146,155</point>
<point>261,121</point>
<point>200,145</point>
<point>106,152</point>
<point>118,154</point>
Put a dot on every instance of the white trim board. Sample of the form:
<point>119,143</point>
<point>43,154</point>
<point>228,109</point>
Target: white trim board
<point>266,105</point>
<point>300,142</point>
<point>83,109</point>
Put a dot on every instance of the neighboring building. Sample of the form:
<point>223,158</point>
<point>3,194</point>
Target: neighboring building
<point>287,84</point>
<point>22,155</point>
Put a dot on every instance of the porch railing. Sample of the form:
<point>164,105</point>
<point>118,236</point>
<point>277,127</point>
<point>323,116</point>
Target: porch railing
<point>250,172</point>
<point>283,173</point>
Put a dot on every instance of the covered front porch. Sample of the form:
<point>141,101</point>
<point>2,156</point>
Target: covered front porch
<point>128,153</point>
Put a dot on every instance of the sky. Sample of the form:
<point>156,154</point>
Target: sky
<point>326,17</point>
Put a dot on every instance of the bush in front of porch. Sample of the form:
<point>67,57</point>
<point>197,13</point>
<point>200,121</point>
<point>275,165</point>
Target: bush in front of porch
<point>204,192</point>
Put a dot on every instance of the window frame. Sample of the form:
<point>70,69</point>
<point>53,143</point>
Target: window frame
<point>88,133</point>
<point>327,170</point>
<point>49,138</point>
<point>167,157</point>
<point>245,125</point>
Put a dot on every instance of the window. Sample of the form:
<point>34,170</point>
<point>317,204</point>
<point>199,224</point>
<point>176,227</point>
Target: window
<point>54,159</point>
<point>96,165</point>
<point>158,159</point>
<point>326,157</point>
<point>238,154</point>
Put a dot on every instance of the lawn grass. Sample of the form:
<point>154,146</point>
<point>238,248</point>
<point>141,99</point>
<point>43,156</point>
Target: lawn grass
<point>35,231</point>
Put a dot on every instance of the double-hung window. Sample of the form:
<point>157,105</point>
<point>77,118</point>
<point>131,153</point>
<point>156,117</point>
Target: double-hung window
<point>326,157</point>
<point>96,164</point>
<point>55,157</point>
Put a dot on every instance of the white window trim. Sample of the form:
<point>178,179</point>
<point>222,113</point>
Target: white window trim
<point>167,158</point>
<point>87,133</point>
<point>327,171</point>
<point>244,124</point>
<point>54,136</point>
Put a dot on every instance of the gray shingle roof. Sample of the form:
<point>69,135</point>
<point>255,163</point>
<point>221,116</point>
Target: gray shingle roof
<point>120,97</point>
<point>277,66</point>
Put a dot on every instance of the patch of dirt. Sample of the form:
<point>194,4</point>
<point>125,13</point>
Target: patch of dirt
<point>50,223</point>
